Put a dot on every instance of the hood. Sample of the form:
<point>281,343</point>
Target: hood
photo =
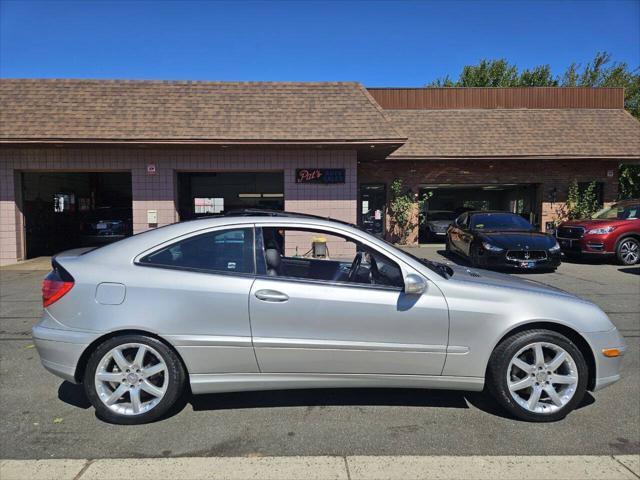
<point>594,222</point>
<point>519,240</point>
<point>494,279</point>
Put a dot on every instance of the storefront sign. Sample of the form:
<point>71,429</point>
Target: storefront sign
<point>320,175</point>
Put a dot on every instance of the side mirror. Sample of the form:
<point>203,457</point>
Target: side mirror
<point>414,284</point>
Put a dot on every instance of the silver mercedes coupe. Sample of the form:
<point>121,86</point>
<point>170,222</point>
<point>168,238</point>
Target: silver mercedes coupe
<point>259,300</point>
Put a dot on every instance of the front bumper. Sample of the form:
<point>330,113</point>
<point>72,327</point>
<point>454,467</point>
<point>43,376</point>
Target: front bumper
<point>499,260</point>
<point>60,350</point>
<point>607,368</point>
<point>587,245</point>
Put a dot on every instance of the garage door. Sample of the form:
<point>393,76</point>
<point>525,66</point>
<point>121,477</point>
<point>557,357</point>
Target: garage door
<point>70,210</point>
<point>445,202</point>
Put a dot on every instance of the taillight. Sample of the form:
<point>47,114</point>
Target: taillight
<point>55,285</point>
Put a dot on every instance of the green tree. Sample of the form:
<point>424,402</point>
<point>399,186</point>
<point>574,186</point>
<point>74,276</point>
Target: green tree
<point>539,76</point>
<point>629,182</point>
<point>401,210</point>
<point>582,203</point>
<point>600,72</point>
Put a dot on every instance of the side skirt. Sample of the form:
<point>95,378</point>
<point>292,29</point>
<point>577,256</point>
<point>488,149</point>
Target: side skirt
<point>242,382</point>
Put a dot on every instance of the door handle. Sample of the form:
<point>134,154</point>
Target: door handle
<point>271,296</point>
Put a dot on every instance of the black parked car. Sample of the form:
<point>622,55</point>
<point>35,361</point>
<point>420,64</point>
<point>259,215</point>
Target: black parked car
<point>106,225</point>
<point>502,239</point>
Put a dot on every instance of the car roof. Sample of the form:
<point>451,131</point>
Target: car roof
<point>151,237</point>
<point>262,213</point>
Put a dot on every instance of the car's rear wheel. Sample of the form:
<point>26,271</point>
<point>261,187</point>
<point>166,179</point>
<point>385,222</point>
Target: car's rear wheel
<point>133,379</point>
<point>538,375</point>
<point>628,251</point>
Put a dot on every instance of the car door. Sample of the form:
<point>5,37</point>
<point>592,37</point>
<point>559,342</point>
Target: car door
<point>324,326</point>
<point>466,236</point>
<point>194,290</point>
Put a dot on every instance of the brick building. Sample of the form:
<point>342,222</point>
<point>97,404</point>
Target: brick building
<point>149,153</point>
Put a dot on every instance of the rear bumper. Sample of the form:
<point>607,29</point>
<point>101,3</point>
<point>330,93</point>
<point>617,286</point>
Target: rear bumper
<point>60,350</point>
<point>100,239</point>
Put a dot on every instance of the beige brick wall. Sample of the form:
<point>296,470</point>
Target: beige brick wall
<point>158,192</point>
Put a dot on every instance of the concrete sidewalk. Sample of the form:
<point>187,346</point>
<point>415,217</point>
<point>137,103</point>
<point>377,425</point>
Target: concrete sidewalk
<point>325,468</point>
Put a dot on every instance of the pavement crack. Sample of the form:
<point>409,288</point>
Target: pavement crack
<point>84,469</point>
<point>627,468</point>
<point>346,466</point>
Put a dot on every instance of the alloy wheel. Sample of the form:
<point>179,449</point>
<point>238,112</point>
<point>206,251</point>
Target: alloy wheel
<point>542,377</point>
<point>131,379</point>
<point>629,252</point>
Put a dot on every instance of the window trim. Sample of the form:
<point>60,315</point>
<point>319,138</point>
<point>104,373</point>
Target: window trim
<point>331,283</point>
<point>174,241</point>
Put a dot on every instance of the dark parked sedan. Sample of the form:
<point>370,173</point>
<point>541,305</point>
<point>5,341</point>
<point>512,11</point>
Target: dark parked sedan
<point>502,240</point>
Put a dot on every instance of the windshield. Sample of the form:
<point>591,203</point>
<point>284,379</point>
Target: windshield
<point>499,221</point>
<point>618,212</point>
<point>440,215</point>
<point>437,267</point>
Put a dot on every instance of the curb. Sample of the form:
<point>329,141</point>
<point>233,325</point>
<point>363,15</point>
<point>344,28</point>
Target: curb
<point>594,467</point>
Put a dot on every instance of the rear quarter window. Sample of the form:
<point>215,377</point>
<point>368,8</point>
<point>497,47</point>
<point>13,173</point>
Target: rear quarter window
<point>229,251</point>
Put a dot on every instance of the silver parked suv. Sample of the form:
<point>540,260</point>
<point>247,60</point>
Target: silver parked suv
<point>263,300</point>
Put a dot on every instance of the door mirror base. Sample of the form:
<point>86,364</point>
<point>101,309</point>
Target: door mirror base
<point>414,284</point>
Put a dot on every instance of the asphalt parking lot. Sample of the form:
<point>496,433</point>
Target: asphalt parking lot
<point>43,417</point>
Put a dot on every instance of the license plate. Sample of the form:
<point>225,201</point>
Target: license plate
<point>101,226</point>
<point>527,264</point>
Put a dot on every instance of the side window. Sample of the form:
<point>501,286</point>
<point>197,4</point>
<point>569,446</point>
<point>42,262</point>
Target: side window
<point>312,254</point>
<point>220,251</point>
<point>462,220</point>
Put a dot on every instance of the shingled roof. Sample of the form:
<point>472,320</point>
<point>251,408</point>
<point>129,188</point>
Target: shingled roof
<point>559,133</point>
<point>182,111</point>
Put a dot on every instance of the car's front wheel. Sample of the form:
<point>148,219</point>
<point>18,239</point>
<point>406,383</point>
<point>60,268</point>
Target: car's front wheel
<point>628,251</point>
<point>538,375</point>
<point>133,379</point>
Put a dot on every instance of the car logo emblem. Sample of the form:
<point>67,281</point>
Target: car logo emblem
<point>527,255</point>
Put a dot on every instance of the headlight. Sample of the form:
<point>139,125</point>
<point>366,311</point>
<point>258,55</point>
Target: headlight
<point>491,248</point>
<point>601,231</point>
<point>555,248</point>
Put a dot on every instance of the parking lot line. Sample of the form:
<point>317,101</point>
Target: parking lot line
<point>327,467</point>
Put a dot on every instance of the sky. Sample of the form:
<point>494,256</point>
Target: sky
<point>379,43</point>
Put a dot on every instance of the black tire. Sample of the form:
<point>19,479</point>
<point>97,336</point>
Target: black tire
<point>627,242</point>
<point>499,364</point>
<point>174,389</point>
